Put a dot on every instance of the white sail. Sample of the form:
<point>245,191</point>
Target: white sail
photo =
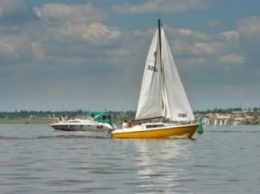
<point>150,100</point>
<point>176,104</point>
<point>162,93</point>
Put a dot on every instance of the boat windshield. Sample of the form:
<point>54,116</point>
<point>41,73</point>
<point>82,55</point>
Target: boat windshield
<point>74,121</point>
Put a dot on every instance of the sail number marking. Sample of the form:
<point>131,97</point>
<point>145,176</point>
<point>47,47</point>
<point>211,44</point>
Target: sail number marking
<point>152,68</point>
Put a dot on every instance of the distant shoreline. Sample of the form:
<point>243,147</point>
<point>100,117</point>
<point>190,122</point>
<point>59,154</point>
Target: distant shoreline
<point>27,120</point>
<point>49,120</point>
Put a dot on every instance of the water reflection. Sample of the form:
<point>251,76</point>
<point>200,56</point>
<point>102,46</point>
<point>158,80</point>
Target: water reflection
<point>35,159</point>
<point>159,164</point>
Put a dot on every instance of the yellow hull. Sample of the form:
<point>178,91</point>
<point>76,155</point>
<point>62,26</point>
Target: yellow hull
<point>156,133</point>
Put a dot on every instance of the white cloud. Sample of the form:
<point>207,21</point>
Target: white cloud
<point>214,23</point>
<point>161,6</point>
<point>97,34</point>
<point>249,31</point>
<point>249,27</point>
<point>189,63</point>
<point>6,48</point>
<point>232,58</point>
<point>207,48</point>
<point>10,6</point>
<point>15,13</point>
<point>189,42</point>
<point>1,11</point>
<point>77,23</point>
<point>37,50</point>
<point>20,48</point>
<point>230,35</point>
<point>71,44</point>
<point>94,33</point>
<point>188,33</point>
<point>70,13</point>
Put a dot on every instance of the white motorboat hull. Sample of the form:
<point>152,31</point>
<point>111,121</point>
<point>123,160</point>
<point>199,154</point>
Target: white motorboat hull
<point>73,127</point>
<point>82,125</point>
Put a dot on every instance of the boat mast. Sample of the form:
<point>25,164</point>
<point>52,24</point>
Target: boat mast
<point>161,64</point>
<point>160,41</point>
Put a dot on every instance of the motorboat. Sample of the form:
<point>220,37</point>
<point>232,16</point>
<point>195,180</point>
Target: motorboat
<point>99,122</point>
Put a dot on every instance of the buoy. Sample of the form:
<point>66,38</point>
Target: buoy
<point>200,129</point>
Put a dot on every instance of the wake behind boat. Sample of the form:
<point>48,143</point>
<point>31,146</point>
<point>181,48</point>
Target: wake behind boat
<point>162,97</point>
<point>99,122</point>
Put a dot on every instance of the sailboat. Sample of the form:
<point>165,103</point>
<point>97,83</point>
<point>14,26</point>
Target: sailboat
<point>162,97</point>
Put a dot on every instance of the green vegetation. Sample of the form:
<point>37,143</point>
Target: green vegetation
<point>228,110</point>
<point>19,120</point>
<point>46,117</point>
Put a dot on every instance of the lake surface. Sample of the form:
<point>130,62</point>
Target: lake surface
<point>35,159</point>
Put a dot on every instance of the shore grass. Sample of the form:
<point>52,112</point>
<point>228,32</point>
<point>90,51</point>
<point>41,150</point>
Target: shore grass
<point>26,120</point>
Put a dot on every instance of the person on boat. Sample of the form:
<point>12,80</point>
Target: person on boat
<point>61,118</point>
<point>129,124</point>
<point>125,124</point>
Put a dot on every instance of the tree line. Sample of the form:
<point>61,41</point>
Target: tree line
<point>26,113</point>
<point>229,110</point>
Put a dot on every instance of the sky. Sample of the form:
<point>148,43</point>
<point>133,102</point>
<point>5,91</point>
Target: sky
<point>90,54</point>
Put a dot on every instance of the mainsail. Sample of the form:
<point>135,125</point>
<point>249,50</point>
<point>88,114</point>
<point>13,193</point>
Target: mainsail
<point>150,100</point>
<point>162,93</point>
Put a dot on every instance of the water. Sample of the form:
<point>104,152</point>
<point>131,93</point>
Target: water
<point>35,159</point>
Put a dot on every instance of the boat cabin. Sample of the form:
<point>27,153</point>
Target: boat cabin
<point>152,125</point>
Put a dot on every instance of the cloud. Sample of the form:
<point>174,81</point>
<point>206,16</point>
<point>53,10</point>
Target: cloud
<point>194,43</point>
<point>161,6</point>
<point>206,48</point>
<point>98,34</point>
<point>13,48</point>
<point>76,23</point>
<point>230,35</point>
<point>214,23</point>
<point>196,49</point>
<point>6,47</point>
<point>191,34</point>
<point>249,31</point>
<point>86,46</point>
<point>232,58</point>
<point>249,27</point>
<point>94,33</point>
<point>15,12</point>
<point>70,13</point>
